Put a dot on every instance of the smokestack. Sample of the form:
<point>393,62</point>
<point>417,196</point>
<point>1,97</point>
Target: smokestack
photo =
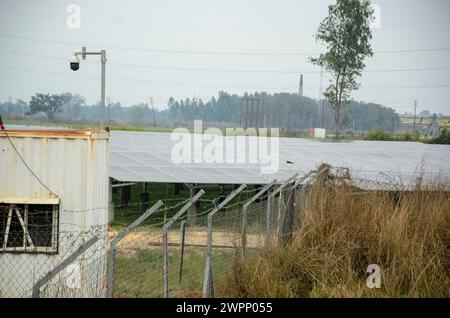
<point>300,88</point>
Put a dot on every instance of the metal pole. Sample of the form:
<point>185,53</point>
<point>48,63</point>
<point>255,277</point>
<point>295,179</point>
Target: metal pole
<point>81,249</point>
<point>268,221</point>
<point>102,54</point>
<point>192,212</point>
<point>415,111</point>
<point>102,116</point>
<point>257,112</point>
<point>165,231</point>
<point>207,279</point>
<point>118,237</point>
<point>269,209</point>
<point>244,214</point>
<point>280,214</point>
<point>166,265</point>
<point>182,241</point>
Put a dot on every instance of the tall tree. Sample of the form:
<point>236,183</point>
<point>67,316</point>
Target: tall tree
<point>346,33</point>
<point>49,104</point>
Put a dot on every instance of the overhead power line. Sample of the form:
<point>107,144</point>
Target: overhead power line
<point>203,85</point>
<point>219,70</point>
<point>195,52</point>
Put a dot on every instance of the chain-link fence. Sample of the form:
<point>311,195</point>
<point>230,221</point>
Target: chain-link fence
<point>35,238</point>
<point>165,252</point>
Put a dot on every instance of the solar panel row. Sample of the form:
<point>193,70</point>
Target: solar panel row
<point>152,157</point>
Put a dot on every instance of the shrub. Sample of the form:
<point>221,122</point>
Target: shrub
<point>378,134</point>
<point>341,231</point>
<point>443,138</point>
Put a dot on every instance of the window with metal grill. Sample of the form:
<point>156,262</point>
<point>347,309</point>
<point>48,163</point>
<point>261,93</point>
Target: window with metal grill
<point>29,228</point>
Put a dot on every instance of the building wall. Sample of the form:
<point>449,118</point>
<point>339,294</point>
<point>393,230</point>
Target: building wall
<point>74,166</point>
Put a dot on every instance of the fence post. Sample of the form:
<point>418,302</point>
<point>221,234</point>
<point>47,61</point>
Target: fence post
<point>165,265</point>
<point>207,279</point>
<point>268,220</point>
<point>81,249</point>
<point>192,213</point>
<point>121,235</point>
<point>182,240</point>
<point>285,220</point>
<point>268,240</point>
<point>280,213</point>
<point>165,230</point>
<point>244,214</point>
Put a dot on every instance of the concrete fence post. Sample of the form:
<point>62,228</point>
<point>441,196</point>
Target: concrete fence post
<point>208,288</point>
<point>165,230</point>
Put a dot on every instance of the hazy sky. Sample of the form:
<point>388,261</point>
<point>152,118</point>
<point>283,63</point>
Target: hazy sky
<point>185,48</point>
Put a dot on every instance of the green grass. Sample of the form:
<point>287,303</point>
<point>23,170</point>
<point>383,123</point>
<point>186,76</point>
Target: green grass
<point>141,274</point>
<point>123,216</point>
<point>89,126</point>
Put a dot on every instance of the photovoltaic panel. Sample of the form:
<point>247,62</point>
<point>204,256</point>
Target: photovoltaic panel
<point>144,156</point>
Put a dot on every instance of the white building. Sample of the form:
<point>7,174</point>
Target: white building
<point>53,197</point>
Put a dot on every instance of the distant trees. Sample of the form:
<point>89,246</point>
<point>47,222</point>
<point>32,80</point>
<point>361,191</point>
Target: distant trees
<point>11,109</point>
<point>48,104</point>
<point>287,111</point>
<point>346,33</point>
<point>282,110</point>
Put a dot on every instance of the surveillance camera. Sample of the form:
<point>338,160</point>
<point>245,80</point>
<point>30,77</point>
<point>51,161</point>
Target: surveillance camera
<point>74,63</point>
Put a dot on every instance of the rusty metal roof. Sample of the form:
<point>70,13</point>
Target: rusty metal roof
<point>56,133</point>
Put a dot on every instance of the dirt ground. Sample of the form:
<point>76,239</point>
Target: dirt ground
<point>197,237</point>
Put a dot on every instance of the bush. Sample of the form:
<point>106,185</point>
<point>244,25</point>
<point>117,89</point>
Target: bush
<point>341,231</point>
<point>406,137</point>
<point>443,138</point>
<point>378,134</point>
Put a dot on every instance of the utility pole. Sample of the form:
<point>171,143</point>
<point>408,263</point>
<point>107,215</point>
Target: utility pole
<point>321,99</point>
<point>102,96</point>
<point>153,111</point>
<point>415,112</point>
<point>74,64</point>
<point>109,112</point>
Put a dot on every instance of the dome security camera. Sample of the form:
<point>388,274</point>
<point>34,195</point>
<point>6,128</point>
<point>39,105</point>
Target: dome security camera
<point>74,63</point>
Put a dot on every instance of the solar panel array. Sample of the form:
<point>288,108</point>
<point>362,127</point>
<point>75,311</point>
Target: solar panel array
<point>147,157</point>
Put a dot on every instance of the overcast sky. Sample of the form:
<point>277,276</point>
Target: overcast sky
<point>184,48</point>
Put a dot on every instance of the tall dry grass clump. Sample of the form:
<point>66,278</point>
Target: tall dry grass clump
<point>340,231</point>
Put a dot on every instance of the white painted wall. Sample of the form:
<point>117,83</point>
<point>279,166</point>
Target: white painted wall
<point>73,165</point>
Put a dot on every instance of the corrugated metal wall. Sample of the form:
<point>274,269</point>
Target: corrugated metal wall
<point>72,165</point>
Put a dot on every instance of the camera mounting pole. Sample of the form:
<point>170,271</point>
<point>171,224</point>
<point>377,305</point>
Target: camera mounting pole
<point>102,54</point>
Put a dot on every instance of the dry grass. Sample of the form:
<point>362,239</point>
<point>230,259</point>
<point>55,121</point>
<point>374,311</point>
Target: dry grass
<point>341,231</point>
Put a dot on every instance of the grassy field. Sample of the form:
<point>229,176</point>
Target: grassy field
<point>139,258</point>
<point>89,126</point>
<point>141,274</point>
<point>340,231</point>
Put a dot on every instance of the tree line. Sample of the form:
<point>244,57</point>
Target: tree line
<point>288,111</point>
